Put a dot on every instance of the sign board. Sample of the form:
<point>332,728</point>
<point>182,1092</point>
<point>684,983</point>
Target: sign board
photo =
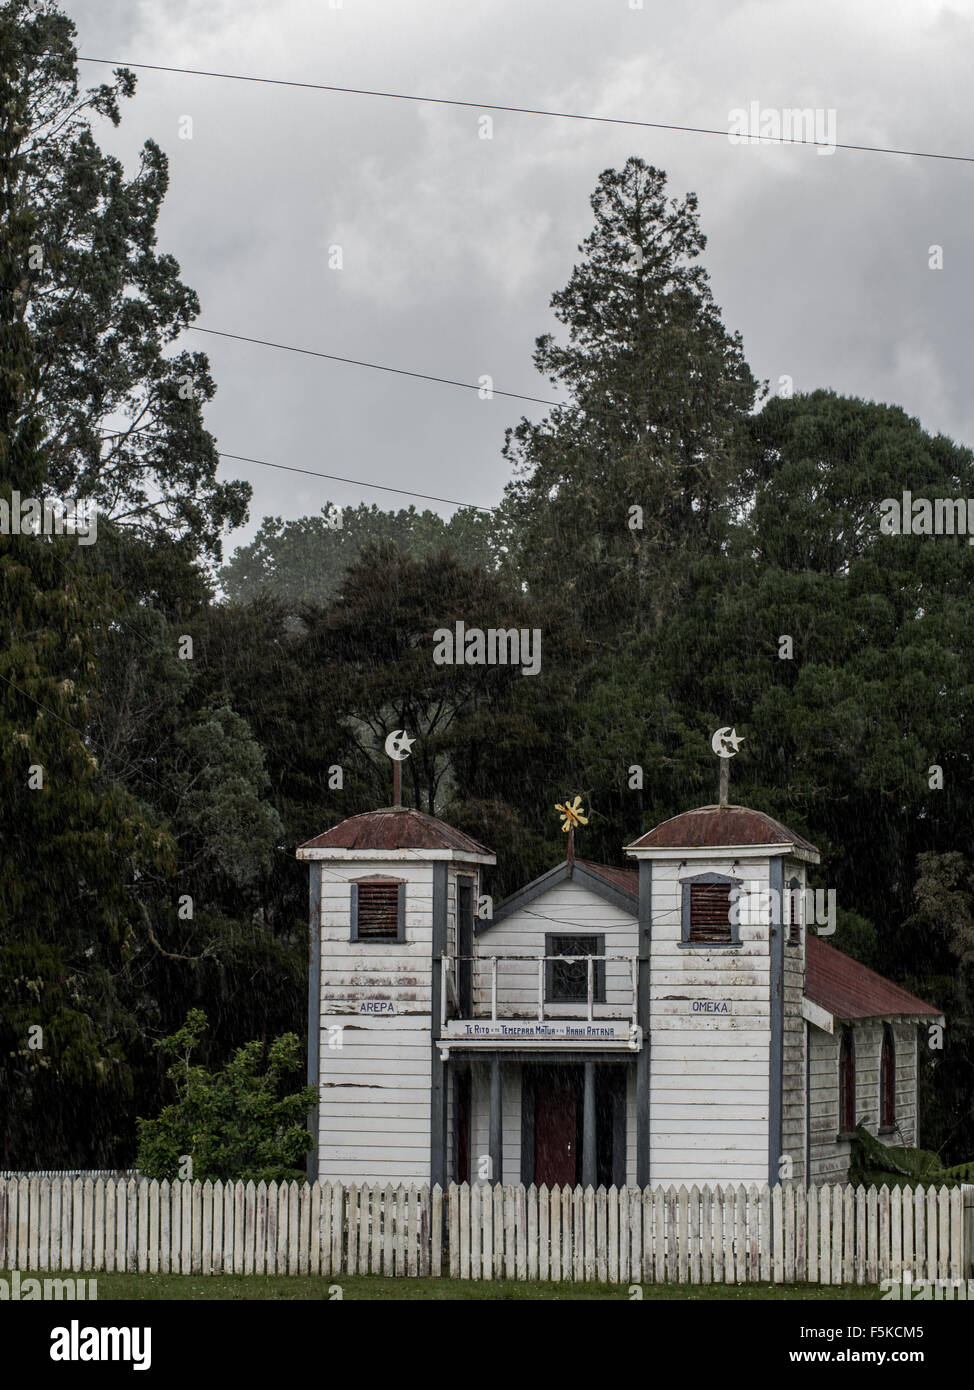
<point>376,1006</point>
<point>550,1030</point>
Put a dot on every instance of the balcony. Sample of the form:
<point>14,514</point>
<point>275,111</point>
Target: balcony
<point>529,1002</point>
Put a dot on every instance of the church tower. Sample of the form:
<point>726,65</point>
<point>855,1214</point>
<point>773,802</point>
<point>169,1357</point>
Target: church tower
<point>391,892</point>
<point>723,945</point>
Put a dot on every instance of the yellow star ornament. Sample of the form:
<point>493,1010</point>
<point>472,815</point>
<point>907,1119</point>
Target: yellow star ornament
<point>572,814</point>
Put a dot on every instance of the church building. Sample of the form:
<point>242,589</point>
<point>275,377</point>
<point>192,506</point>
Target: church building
<point>679,1020</point>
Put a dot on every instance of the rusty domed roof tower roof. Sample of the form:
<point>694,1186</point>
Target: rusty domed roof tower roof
<point>721,826</point>
<point>394,828</point>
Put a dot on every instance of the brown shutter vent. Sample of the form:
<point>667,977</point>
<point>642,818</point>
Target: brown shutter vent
<point>710,912</point>
<point>378,911</point>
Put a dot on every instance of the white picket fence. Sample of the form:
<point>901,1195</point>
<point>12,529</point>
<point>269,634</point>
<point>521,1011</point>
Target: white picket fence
<point>788,1234</point>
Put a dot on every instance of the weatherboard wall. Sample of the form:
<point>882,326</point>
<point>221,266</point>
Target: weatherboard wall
<point>793,1106</point>
<point>375,1088</point>
<point>569,908</point>
<point>829,1154</point>
<point>709,1070</point>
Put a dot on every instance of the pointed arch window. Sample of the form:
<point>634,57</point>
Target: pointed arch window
<point>794,897</point>
<point>847,1083</point>
<point>887,1081</point>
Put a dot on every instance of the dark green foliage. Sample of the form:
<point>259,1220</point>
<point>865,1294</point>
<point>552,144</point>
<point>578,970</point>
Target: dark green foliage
<point>154,873</point>
<point>122,417</point>
<point>897,1165</point>
<point>304,561</point>
<point>239,1122</point>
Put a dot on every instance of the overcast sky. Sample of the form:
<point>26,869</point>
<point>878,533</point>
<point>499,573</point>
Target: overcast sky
<point>452,245</point>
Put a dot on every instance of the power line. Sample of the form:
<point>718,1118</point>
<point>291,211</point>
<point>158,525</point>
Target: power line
<point>357,482</point>
<point>376,366</point>
<point>523,110</point>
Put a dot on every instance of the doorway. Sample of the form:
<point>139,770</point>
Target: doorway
<point>552,1124</point>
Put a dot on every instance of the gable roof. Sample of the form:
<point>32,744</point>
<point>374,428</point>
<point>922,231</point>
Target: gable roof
<point>848,990</point>
<point>617,886</point>
<point>396,827</point>
<point>710,826</point>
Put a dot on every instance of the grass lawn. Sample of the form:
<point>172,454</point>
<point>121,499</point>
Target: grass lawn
<point>290,1288</point>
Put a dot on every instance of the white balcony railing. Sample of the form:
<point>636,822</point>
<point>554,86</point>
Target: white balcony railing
<point>509,1003</point>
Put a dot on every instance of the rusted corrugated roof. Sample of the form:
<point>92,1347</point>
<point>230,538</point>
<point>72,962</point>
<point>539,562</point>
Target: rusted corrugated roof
<point>847,990</point>
<point>397,827</point>
<point>626,879</point>
<point>720,825</point>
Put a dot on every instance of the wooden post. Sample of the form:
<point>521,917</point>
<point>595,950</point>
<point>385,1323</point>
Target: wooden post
<point>496,1132</point>
<point>967,1249</point>
<point>588,1128</point>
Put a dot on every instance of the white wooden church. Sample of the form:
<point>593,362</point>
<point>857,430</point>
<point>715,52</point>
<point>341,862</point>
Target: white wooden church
<point>603,1025</point>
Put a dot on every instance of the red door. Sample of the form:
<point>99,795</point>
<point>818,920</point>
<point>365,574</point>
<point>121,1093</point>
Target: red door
<point>555,1128</point>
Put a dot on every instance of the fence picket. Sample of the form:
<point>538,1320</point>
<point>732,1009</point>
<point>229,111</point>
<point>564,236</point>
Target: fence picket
<point>811,1202</point>
<point>718,1223</point>
<point>789,1202</point>
<point>824,1231</point>
<point>848,1235</point>
<point>956,1228</point>
<point>883,1261</point>
<point>739,1268</point>
<point>832,1234</point>
<point>23,1225</point>
<point>532,1233</point>
<point>32,1244</point>
<point>706,1236</point>
<point>556,1236</point>
<point>436,1232</point>
<point>778,1236</point>
<point>671,1265</point>
<point>218,1253</point>
<point>578,1235</point>
<point>388,1229</point>
<point>601,1236</point>
<point>314,1222</point>
<point>872,1235</point>
<point>624,1273</point>
<point>931,1234</point>
<point>304,1227</point>
<point>753,1234</point>
<point>683,1254</point>
<point>836,1235</point>
<point>545,1238</point>
<point>44,1231</point>
<point>909,1258</point>
<point>519,1197</point>
<point>487,1198</point>
<point>639,1273</point>
<point>943,1235</point>
<point>473,1243</point>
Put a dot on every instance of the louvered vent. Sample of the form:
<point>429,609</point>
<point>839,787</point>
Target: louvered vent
<point>710,912</point>
<point>378,911</point>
